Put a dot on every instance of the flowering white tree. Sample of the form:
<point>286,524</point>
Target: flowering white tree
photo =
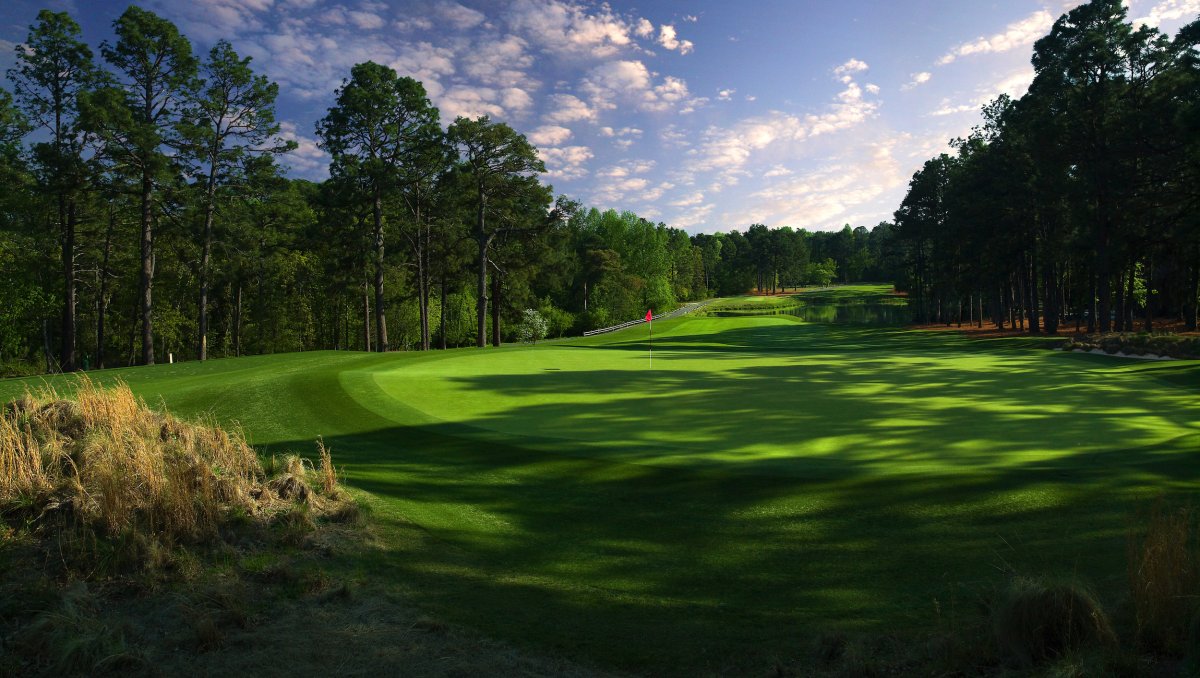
<point>533,326</point>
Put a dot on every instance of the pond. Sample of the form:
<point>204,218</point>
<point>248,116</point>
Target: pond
<point>843,313</point>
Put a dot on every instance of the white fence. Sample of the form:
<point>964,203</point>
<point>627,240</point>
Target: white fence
<point>682,310</point>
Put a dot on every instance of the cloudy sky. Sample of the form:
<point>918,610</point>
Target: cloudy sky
<point>706,115</point>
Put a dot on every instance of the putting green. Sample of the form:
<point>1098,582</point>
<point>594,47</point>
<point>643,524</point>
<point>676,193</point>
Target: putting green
<point>770,394</point>
<point>767,480</point>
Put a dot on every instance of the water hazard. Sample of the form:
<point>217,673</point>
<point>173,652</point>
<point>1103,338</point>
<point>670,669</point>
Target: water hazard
<point>878,314</point>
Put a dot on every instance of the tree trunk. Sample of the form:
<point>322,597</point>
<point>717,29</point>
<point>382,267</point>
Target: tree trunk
<point>46,346</point>
<point>1149,324</point>
<point>237,321</point>
<point>481,301</point>
<point>496,308</point>
<point>1050,290</point>
<point>442,318</point>
<point>1032,292</point>
<point>1192,316</point>
<point>1093,305</point>
<point>102,296</point>
<point>67,216</point>
<point>1119,311</point>
<point>147,279</point>
<point>366,316</point>
<point>205,254</point>
<point>381,338</point>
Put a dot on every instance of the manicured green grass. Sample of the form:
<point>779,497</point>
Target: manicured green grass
<point>766,481</point>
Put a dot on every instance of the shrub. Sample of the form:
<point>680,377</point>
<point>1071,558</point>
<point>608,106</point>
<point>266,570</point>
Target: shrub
<point>1036,621</point>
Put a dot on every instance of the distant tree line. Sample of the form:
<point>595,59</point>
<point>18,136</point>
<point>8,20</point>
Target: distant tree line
<point>146,212</point>
<point>775,260</point>
<point>1077,204</point>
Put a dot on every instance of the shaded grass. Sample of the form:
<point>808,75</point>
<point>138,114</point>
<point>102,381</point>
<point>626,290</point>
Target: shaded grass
<point>769,482</point>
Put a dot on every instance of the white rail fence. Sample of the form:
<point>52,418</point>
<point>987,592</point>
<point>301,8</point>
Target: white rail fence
<point>682,310</point>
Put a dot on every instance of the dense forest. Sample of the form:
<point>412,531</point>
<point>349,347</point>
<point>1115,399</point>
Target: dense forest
<point>1076,206</point>
<point>148,216</point>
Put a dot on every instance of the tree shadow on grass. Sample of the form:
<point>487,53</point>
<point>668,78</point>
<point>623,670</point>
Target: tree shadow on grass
<point>687,570</point>
<point>634,556</point>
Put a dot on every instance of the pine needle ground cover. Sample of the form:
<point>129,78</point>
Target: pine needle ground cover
<point>768,483</point>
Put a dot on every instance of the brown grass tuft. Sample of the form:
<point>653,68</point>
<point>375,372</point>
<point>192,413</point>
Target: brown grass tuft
<point>328,476</point>
<point>1164,578</point>
<point>1037,621</point>
<point>116,482</point>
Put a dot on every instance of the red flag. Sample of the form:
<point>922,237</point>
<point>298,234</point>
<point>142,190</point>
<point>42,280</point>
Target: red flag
<point>649,315</point>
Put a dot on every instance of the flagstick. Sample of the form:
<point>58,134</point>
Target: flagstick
<point>651,342</point>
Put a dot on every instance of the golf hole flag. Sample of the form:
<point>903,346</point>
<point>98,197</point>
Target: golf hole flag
<point>650,319</point>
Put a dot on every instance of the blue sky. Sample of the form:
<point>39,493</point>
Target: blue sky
<point>705,115</point>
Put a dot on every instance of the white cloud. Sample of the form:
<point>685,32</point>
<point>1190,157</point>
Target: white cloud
<point>417,23</point>
<point>211,20</point>
<point>691,18</point>
<point>1170,10</point>
<point>777,171</point>
<point>566,28</point>
<point>568,108</point>
<point>549,135</point>
<point>1019,34</point>
<point>500,62</point>
<point>1014,85</point>
<point>627,169</point>
<point>366,21</point>
<point>730,148</point>
<point>830,195</point>
<point>917,80</point>
<point>620,191</point>
<point>458,16</point>
<point>471,102</point>
<point>566,162</point>
<point>308,159</point>
<point>850,67</point>
<point>630,81</point>
<point>688,200</point>
<point>667,38</point>
<point>644,29</point>
<point>693,217</point>
<point>725,94</point>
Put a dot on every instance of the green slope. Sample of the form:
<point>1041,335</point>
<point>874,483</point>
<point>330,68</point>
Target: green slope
<point>765,481</point>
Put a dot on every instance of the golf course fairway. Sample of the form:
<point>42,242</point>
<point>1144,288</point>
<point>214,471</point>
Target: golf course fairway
<point>764,481</point>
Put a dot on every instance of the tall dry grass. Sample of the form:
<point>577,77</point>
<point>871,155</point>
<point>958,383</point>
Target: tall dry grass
<point>1164,578</point>
<point>102,465</point>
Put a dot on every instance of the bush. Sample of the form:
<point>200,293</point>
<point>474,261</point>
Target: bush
<point>1037,621</point>
<point>558,321</point>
